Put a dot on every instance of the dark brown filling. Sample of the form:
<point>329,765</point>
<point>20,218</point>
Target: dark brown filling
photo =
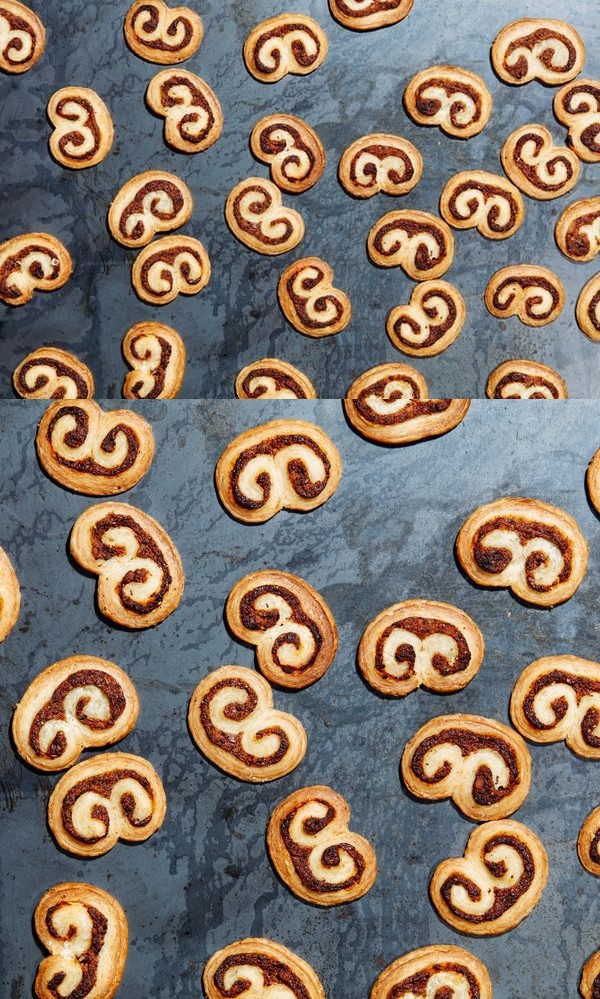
<point>62,371</point>
<point>298,47</point>
<point>103,785</point>
<point>413,409</point>
<point>529,381</point>
<point>532,300</point>
<point>495,560</point>
<point>319,303</point>
<point>239,712</point>
<point>14,45</point>
<point>290,162</point>
<point>504,898</point>
<point>593,312</point>
<point>577,242</point>
<point>168,258</point>
<point>436,330</point>
<point>259,207</point>
<point>282,381</point>
<point>484,789</point>
<point>330,857</point>
<point>493,212</point>
<point>273,972</point>
<point>196,99</point>
<point>374,7</point>
<point>297,472</point>
<point>147,549</point>
<point>381,152</point>
<point>158,373</point>
<point>594,852</point>
<point>77,138</point>
<point>424,260</point>
<point>12,264</point>
<point>88,961</point>
<point>581,686</point>
<point>77,437</point>
<point>151,24</point>
<point>518,70</point>
<point>405,654</point>
<point>429,106</point>
<point>55,709</point>
<point>530,170</point>
<point>417,984</point>
<point>136,207</point>
<point>254,619</point>
<point>587,136</point>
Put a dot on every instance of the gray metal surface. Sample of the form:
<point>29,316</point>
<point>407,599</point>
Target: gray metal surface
<point>236,319</point>
<point>205,879</point>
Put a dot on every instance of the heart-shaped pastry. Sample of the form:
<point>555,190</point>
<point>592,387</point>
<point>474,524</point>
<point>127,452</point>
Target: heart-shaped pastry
<point>309,300</point>
<point>83,129</point>
<point>159,33</point>
<point>190,108</point>
<point>53,373</point>
<point>34,262</point>
<point>288,43</point>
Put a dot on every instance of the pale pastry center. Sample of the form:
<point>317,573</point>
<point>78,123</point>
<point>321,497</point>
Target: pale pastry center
<point>544,575</point>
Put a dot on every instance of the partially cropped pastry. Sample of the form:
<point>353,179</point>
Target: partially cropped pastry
<point>558,698</point>
<point>292,150</point>
<point>531,547</point>
<point>10,596</point>
<point>541,49</point>
<point>313,850</point>
<point>257,217</point>
<point>288,43</point>
<point>380,162</point>
<point>168,267</point>
<point>592,481</point>
<point>588,308</point>
<point>22,37</point>
<point>289,624</point>
<point>309,300</point>
<point>83,129</point>
<point>156,354</point>
<point>78,703</point>
<point>190,108</point>
<point>151,202</point>
<point>420,243</point>
<point>536,165</point>
<point>476,199</point>
<point>367,15</point>
<point>262,967</point>
<point>272,378</point>
<point>234,724</point>
<point>283,464</point>
<point>93,451</point>
<point>53,373</point>
<point>534,294</point>
<point>455,99</point>
<point>588,843</point>
<point>420,642</point>
<point>590,977</point>
<point>577,231</point>
<point>523,379</point>
<point>436,971</point>
<point>430,322</point>
<point>577,106</point>
<point>163,34</point>
<point>85,931</point>
<point>34,262</point>
<point>140,576</point>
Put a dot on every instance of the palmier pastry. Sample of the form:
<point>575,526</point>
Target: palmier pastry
<point>259,966</point>
<point>190,108</point>
<point>389,404</point>
<point>309,300</point>
<point>171,266</point>
<point>91,451</point>
<point>476,199</point>
<point>437,971</point>
<point>83,129</point>
<point>292,150</point>
<point>366,15</point>
<point>533,548</point>
<point>538,167</point>
<point>163,34</point>
<point>314,852</point>
<point>578,230</point>
<point>534,294</point>
<point>522,379</point>
<point>538,49</point>
<point>10,596</point>
<point>140,577</point>
<point>484,766</point>
<point>257,217</point>
<point>22,37</point>
<point>420,642</point>
<point>36,261</point>
<point>156,354</point>
<point>452,98</point>
<point>558,698</point>
<point>289,43</point>
<point>108,797</point>
<point>590,977</point>
<point>420,243</point>
<point>497,883</point>
<point>151,202</point>
<point>577,105</point>
<point>592,481</point>
<point>84,929</point>
<point>272,378</point>
<point>430,322</point>
<point>588,841</point>
<point>588,308</point>
<point>234,724</point>
<point>380,162</point>
<point>288,622</point>
<point>52,373</point>
<point>283,464</point>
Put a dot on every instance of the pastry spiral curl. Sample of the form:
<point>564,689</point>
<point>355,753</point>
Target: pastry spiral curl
<point>190,108</point>
<point>156,354</point>
<point>151,202</point>
<point>52,373</point>
<point>234,724</point>
<point>83,129</point>
<point>420,642</point>
<point>10,596</point>
<point>22,37</point>
<point>534,294</point>
<point>314,852</point>
<point>577,231</point>
<point>432,973</point>
<point>481,764</point>
<point>289,43</point>
<point>258,967</point>
<point>558,698</point>
<point>420,243</point>
<point>140,576</point>
<point>523,379</point>
<point>389,404</point>
<point>257,217</point>
<point>592,481</point>
<point>91,451</point>
<point>588,308</point>
<point>309,300</point>
<point>36,261</point>
<point>577,105</point>
<point>588,843</point>
<point>538,167</point>
<point>85,931</point>
<point>288,622</point>
<point>454,99</point>
<point>476,199</point>
<point>272,378</point>
<point>291,148</point>
<point>430,322</point>
<point>538,49</point>
<point>74,704</point>
<point>497,883</point>
<point>283,464</point>
<point>367,15</point>
<point>108,797</point>
<point>380,162</point>
<point>533,548</point>
<point>168,267</point>
<point>162,34</point>
<point>589,985</point>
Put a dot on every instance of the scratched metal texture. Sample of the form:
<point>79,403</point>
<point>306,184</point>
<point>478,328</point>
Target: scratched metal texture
<point>204,879</point>
<point>237,319</point>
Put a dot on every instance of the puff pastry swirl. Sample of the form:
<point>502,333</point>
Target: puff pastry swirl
<point>538,167</point>
<point>588,308</point>
<point>33,262</point>
<point>22,37</point>
<point>455,99</point>
<point>193,119</point>
<point>588,843</point>
<point>433,972</point>
<point>577,106</point>
<point>257,217</point>
<point>578,230</point>
<point>309,301</point>
<point>476,199</point>
<point>590,977</point>
<point>592,481</point>
<point>259,967</point>
<point>163,34</point>
<point>272,378</point>
<point>10,596</point>
<point>430,322</point>
<point>538,49</point>
<point>288,43</point>
<point>151,202</point>
<point>53,373</point>
<point>380,162</point>
<point>420,243</point>
<point>83,129</point>
<point>366,15</point>
<point>534,294</point>
<point>156,354</point>
<point>292,150</point>
<point>523,379</point>
<point>168,267</point>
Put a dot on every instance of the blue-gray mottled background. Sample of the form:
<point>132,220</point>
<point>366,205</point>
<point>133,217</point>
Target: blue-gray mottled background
<point>236,319</point>
<point>204,879</point>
